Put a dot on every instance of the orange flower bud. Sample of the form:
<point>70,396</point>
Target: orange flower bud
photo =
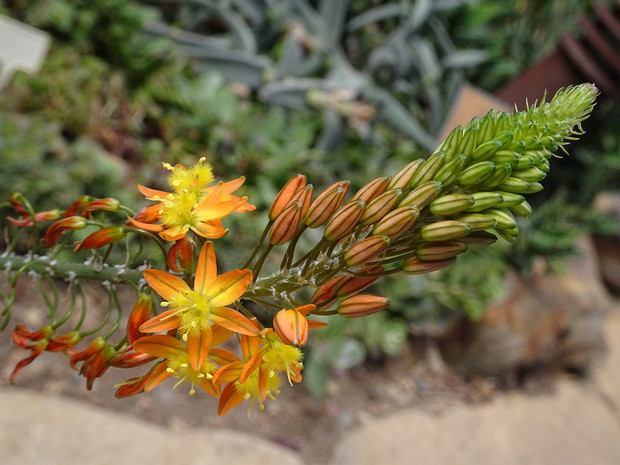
<point>286,224</point>
<point>64,343</point>
<point>284,197</point>
<point>397,222</point>
<point>372,190</point>
<point>75,208</point>
<point>325,295</point>
<point>54,232</point>
<point>291,326</point>
<point>414,265</point>
<point>326,204</point>
<point>146,215</point>
<point>365,250</point>
<point>107,204</point>
<point>139,314</point>
<point>362,305</point>
<point>344,220</point>
<point>432,251</point>
<point>102,237</point>
<point>423,195</point>
<point>381,206</point>
<point>180,257</point>
<point>305,197</point>
<point>403,177</point>
<point>41,216</point>
<point>352,285</point>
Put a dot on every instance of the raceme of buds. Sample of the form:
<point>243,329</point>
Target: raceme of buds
<point>294,185</point>
<point>286,224</point>
<point>326,204</point>
<point>56,229</point>
<point>366,250</point>
<point>344,220</point>
<point>291,326</point>
<point>102,237</point>
<point>362,305</point>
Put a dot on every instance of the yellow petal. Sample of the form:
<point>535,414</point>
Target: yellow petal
<point>166,285</point>
<point>228,287</point>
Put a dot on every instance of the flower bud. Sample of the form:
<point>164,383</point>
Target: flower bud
<point>38,217</point>
<point>284,197</point>
<point>397,222</point>
<point>498,176</point>
<point>470,137</point>
<point>503,217</point>
<point>180,257</point>
<point>523,209</point>
<point>372,190</point>
<point>414,265</point>
<point>362,305</point>
<point>344,220</point>
<point>444,230</point>
<point>506,156</point>
<point>286,224</point>
<point>381,206</point>
<point>484,200</point>
<point>487,126</point>
<point>54,232</point>
<point>422,195</point>
<point>476,173</point>
<point>326,204</point>
<point>428,170</point>
<point>107,204</point>
<point>139,314</point>
<point>291,326</point>
<point>510,199</point>
<point>478,238</point>
<point>451,170</point>
<point>451,143</point>
<point>517,186</point>
<point>402,179</point>
<point>477,221</point>
<point>450,204</point>
<point>102,237</point>
<point>365,250</point>
<point>351,285</point>
<point>76,207</point>
<point>440,250</point>
<point>325,295</point>
<point>486,150</point>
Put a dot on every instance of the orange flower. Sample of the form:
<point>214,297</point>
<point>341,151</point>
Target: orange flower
<point>193,311</point>
<point>191,205</point>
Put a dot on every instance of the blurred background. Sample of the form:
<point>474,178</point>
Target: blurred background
<point>342,89</point>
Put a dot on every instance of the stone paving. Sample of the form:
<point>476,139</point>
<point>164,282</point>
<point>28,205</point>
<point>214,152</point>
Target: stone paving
<point>579,424</point>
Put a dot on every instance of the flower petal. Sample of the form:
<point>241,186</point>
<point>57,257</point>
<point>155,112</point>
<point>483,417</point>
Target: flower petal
<point>166,285</point>
<point>152,193</point>
<point>159,345</point>
<point>198,343</point>
<point>230,398</point>
<point>228,287</point>
<point>233,320</point>
<point>206,270</point>
<point>144,226</point>
<point>229,372</point>
<point>162,322</point>
<point>222,356</point>
<point>251,365</point>
<point>155,377</point>
<point>210,230</point>
<point>313,324</point>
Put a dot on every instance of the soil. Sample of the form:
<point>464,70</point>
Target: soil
<point>309,425</point>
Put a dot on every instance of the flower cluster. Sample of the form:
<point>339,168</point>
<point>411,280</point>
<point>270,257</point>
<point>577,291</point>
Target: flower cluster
<point>238,334</point>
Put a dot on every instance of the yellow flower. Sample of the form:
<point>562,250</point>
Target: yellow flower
<point>193,311</point>
<point>192,205</point>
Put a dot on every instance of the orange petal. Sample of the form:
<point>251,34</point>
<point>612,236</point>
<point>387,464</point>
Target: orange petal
<point>208,386</point>
<point>249,346</point>
<point>220,335</point>
<point>233,320</point>
<point>210,230</point>
<point>151,193</point>
<point>313,324</point>
<point>228,287</point>
<point>222,356</point>
<point>262,384</point>
<point>165,284</point>
<point>230,398</point>
<point>162,322</point>
<point>231,186</point>
<point>305,309</point>
<point>206,270</point>
<point>159,345</point>
<point>229,372</point>
<point>144,226</point>
<point>214,194</point>
<point>198,343</point>
<point>156,376</point>
<point>251,365</point>
<point>174,233</point>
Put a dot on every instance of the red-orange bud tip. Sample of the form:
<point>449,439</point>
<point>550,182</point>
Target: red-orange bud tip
<point>362,305</point>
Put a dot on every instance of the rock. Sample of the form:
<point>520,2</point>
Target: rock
<point>572,426</point>
<point>608,247</point>
<point>39,428</point>
<point>547,318</point>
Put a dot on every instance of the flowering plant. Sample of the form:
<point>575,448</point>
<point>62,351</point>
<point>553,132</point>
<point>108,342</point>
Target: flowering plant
<point>233,334</point>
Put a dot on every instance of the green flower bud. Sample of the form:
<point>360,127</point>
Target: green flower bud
<point>476,173</point>
<point>381,206</point>
<point>532,174</point>
<point>450,204</point>
<point>428,170</point>
<point>486,150</point>
<point>523,209</point>
<point>451,170</point>
<point>477,221</point>
<point>484,200</point>
<point>397,222</point>
<point>504,218</point>
<point>444,230</point>
<point>505,156</point>
<point>499,175</point>
<point>517,186</point>
<point>510,199</point>
<point>478,239</point>
<point>422,196</point>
